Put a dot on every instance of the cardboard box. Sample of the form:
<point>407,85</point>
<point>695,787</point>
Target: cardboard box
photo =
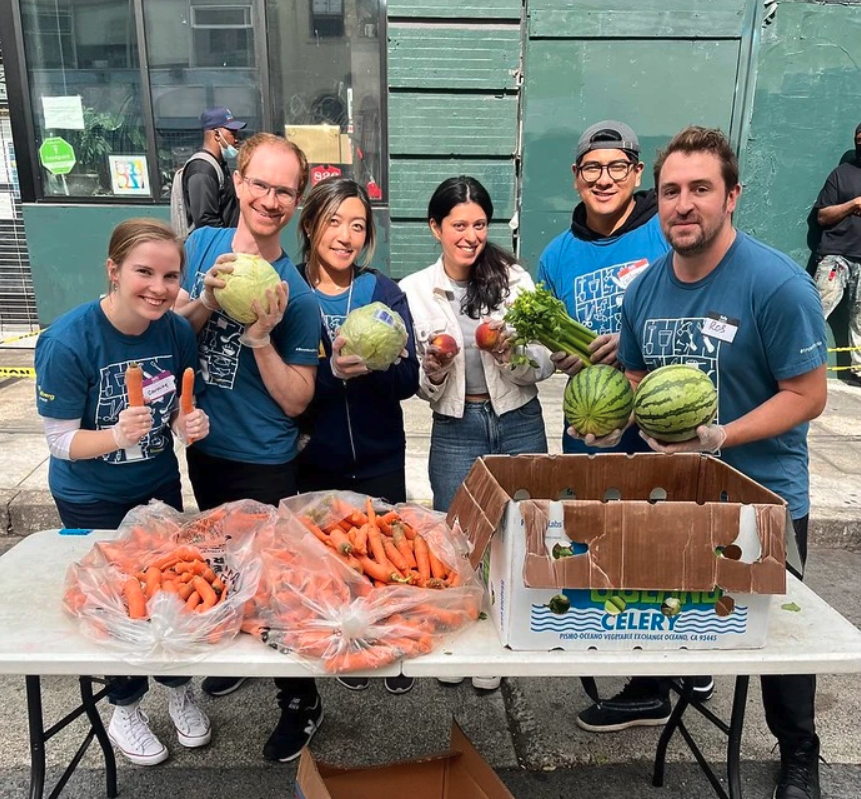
<point>322,144</point>
<point>461,773</point>
<point>619,552</point>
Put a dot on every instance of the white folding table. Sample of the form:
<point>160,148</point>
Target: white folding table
<point>39,638</point>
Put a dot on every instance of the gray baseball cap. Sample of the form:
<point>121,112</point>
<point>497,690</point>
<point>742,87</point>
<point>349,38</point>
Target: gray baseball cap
<point>608,135</point>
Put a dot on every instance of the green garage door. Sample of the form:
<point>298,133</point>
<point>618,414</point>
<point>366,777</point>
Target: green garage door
<point>683,62</point>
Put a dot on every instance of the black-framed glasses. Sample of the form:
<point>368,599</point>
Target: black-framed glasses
<point>260,188</point>
<point>617,170</point>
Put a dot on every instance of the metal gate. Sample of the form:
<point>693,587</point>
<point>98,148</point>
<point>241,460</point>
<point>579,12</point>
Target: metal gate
<point>17,300</point>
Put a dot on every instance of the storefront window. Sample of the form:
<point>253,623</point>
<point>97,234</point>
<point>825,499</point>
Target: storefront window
<point>85,95</point>
<point>307,69</point>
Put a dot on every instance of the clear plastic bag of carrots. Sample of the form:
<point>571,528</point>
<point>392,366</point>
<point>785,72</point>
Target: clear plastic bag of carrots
<point>170,584</point>
<point>351,584</point>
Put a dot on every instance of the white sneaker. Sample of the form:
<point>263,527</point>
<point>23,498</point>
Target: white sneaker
<point>129,731</point>
<point>450,680</point>
<point>192,725</point>
<point>486,683</point>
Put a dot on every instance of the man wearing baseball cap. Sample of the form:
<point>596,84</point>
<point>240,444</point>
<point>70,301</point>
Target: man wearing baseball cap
<point>208,193</point>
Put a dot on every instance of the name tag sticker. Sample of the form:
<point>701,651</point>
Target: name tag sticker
<point>720,327</point>
<point>159,385</point>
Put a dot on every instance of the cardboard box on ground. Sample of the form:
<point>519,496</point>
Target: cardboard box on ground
<point>620,552</point>
<point>461,773</point>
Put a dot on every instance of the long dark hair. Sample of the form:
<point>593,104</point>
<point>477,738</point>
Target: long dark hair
<point>321,204</point>
<point>488,287</point>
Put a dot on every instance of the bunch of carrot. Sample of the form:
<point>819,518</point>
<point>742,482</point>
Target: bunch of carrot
<point>183,572</point>
<point>385,548</point>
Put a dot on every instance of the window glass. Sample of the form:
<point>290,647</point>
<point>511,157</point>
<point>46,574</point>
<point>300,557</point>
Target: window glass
<point>86,97</point>
<point>324,84</point>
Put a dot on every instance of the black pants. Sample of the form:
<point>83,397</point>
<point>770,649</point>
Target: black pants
<point>105,515</point>
<point>788,699</point>
<point>391,486</point>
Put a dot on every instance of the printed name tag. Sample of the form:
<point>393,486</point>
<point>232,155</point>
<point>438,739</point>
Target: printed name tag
<point>720,327</point>
<point>156,387</point>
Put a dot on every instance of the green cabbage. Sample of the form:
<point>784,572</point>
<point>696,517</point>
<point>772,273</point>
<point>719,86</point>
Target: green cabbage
<point>248,281</point>
<point>375,333</point>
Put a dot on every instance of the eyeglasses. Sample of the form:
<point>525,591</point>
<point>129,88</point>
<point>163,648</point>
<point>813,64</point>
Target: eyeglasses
<point>617,170</point>
<point>260,188</point>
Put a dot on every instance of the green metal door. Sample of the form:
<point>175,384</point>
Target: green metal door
<point>656,64</point>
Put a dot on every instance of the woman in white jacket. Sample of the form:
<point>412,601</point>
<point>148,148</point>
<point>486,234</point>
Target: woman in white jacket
<point>482,404</point>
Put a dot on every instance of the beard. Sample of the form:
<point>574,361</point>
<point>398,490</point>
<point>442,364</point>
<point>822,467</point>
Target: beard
<point>698,241</point>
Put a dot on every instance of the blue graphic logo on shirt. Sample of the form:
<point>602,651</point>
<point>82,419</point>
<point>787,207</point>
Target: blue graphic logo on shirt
<point>218,346</point>
<point>598,295</point>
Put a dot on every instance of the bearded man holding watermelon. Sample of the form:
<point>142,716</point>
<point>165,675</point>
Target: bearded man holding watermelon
<point>750,318</point>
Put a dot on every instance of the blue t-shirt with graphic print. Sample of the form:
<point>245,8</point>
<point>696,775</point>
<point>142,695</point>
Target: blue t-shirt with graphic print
<point>334,308</point>
<point>81,362</point>
<point>246,423</point>
<point>590,277</point>
<point>773,330</point>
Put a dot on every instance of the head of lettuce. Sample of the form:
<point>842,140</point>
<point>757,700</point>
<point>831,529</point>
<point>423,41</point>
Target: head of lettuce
<point>375,333</point>
<point>249,280</point>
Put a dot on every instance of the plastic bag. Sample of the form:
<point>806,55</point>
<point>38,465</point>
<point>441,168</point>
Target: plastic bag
<point>313,602</point>
<point>155,535</point>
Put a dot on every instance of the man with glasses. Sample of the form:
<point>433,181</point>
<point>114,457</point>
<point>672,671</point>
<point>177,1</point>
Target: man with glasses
<point>614,236</point>
<point>259,377</point>
<point>208,192</point>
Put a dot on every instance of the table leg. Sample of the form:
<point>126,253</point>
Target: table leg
<point>37,737</point>
<point>736,726</point>
<point>669,729</point>
<point>101,735</point>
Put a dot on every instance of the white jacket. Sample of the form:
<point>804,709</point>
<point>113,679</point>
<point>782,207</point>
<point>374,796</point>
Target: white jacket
<point>509,387</point>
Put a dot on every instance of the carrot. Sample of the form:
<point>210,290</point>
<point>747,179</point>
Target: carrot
<point>134,385</point>
<point>382,571</point>
<point>134,596</point>
<point>371,513</point>
<point>361,540</point>
<point>193,601</point>
<point>422,560</point>
<point>208,575</point>
<point>376,543</point>
<point>309,524</point>
<point>341,542</point>
<point>208,597</point>
<point>218,585</point>
<point>153,580</point>
<point>438,569</point>
<point>184,590</point>
<point>355,518</point>
<point>186,398</point>
<point>169,586</point>
<point>400,540</point>
<point>395,556</point>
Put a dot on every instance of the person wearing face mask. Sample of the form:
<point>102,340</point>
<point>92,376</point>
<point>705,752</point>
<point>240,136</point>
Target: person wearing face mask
<point>208,192</point>
<point>838,212</point>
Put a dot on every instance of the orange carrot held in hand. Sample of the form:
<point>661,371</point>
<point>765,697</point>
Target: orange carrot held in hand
<point>134,386</point>
<point>186,398</point>
<point>134,596</point>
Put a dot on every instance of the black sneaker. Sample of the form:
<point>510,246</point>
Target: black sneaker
<point>221,686</point>
<point>704,689</point>
<point>799,772</point>
<point>631,707</point>
<point>354,683</point>
<point>295,729</point>
<point>399,684</point>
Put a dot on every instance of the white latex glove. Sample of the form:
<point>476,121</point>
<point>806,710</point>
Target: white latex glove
<point>212,280</point>
<point>437,364</point>
<point>257,333</point>
<point>610,440</point>
<point>191,428</point>
<point>346,367</point>
<point>569,364</point>
<point>710,438</point>
<point>132,425</point>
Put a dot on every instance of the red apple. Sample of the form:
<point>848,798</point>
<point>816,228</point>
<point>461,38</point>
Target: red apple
<point>447,345</point>
<point>487,337</point>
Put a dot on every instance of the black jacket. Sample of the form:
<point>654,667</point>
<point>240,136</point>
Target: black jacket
<point>205,204</point>
<point>357,426</point>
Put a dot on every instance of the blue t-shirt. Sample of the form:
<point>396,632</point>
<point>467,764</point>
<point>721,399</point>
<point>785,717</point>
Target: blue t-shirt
<point>81,362</point>
<point>779,333</point>
<point>334,308</point>
<point>591,277</point>
<point>246,423</point>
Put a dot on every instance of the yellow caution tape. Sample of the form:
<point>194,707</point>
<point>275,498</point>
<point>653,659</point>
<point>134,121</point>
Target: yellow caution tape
<point>843,349</point>
<point>22,336</point>
<point>17,371</point>
<point>844,368</point>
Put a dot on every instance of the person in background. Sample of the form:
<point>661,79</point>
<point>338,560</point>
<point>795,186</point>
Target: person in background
<point>481,403</point>
<point>208,191</point>
<point>357,440</point>
<point>838,212</point>
<point>108,457</point>
<point>750,318</point>
<point>259,377</point>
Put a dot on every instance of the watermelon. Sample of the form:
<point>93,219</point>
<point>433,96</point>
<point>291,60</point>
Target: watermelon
<point>673,401</point>
<point>598,400</point>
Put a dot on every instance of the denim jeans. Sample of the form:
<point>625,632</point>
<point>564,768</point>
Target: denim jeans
<point>457,443</point>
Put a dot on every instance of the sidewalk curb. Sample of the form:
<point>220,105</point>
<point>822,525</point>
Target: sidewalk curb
<point>28,511</point>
